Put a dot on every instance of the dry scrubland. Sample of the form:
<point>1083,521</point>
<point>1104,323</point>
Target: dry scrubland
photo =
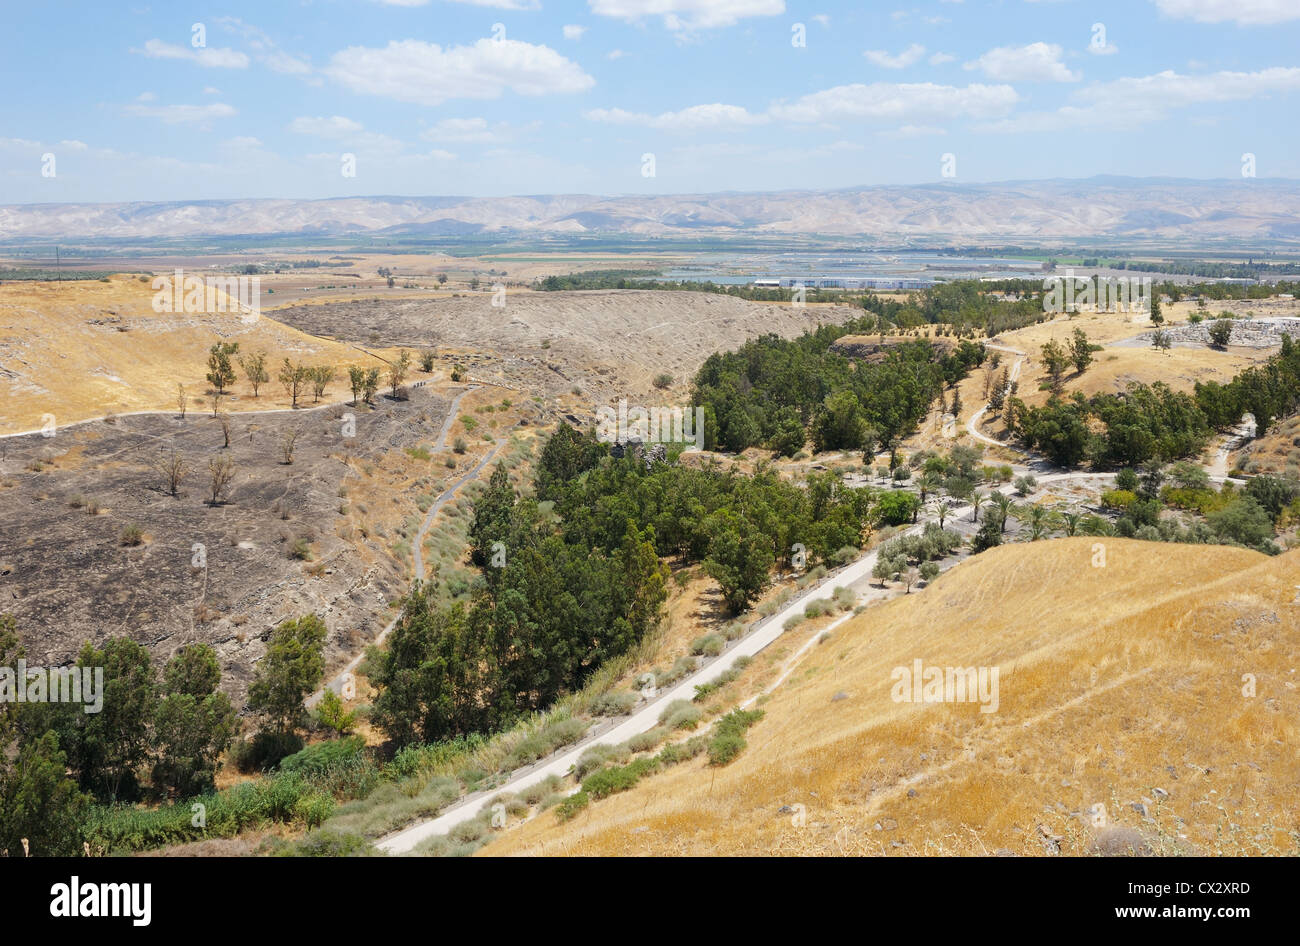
<point>1119,686</point>
<point>90,348</point>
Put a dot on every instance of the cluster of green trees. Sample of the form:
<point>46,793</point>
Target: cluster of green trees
<point>56,758</point>
<point>1246,517</point>
<point>775,392</point>
<point>572,576</point>
<point>1152,422</point>
<point>966,305</point>
<point>156,735</point>
<point>1146,422</point>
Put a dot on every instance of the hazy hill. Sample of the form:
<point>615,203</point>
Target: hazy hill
<point>1096,207</point>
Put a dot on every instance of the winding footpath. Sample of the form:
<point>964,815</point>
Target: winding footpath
<point>972,425</point>
<point>337,682</point>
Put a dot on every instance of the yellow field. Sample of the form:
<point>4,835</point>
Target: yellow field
<point>1118,685</point>
<point>86,349</point>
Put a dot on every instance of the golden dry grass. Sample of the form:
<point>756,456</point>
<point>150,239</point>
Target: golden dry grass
<point>86,349</point>
<point>1114,681</point>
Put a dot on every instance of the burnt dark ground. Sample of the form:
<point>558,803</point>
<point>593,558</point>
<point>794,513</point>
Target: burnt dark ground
<point>67,578</point>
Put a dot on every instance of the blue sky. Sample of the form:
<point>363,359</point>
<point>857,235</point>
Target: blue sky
<point>499,97</point>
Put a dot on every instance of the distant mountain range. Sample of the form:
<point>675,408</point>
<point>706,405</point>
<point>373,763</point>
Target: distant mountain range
<point>1103,207</point>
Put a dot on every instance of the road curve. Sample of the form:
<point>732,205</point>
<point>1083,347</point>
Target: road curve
<point>972,425</point>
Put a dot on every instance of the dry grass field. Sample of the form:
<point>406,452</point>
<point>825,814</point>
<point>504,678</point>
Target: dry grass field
<point>90,348</point>
<point>1123,722</point>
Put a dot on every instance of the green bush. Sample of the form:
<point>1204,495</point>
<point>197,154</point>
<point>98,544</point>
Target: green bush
<point>570,807</point>
<point>321,756</point>
<point>680,714</point>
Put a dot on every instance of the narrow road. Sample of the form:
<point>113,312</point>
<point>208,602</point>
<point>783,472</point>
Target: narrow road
<point>646,717</point>
<point>972,425</point>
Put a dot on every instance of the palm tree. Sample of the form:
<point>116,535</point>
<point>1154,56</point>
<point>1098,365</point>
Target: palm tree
<point>976,500</point>
<point>1039,518</point>
<point>1003,503</point>
<point>1071,521</point>
<point>941,508</point>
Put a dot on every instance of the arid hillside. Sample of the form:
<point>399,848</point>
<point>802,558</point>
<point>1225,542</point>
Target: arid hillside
<point>90,348</point>
<point>1147,700</point>
<point>607,343</point>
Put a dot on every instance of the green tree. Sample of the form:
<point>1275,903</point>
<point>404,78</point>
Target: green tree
<point>254,366</point>
<point>193,724</point>
<point>1080,351</point>
<point>221,373</point>
<point>291,669</point>
<point>294,378</point>
<point>356,381</point>
<point>1055,360</point>
<point>38,802</point>
<point>334,715</point>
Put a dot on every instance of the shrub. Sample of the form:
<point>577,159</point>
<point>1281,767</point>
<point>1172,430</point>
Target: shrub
<point>680,714</point>
<point>313,809</point>
<point>570,807</point>
<point>537,792</point>
<point>650,739</point>
<point>727,740</point>
<point>1117,499</point>
<point>614,703</point>
<point>709,646</point>
<point>132,535</point>
<point>264,750</point>
<point>319,757</point>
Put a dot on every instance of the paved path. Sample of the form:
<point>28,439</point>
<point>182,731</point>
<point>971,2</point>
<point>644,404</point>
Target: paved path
<point>972,425</point>
<point>646,717</point>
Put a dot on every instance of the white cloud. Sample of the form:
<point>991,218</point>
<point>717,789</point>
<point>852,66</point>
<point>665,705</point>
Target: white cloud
<point>913,131</point>
<point>334,127</point>
<point>1242,12</point>
<point>354,134</point>
<point>938,59</point>
<point>908,102</point>
<point>821,18</point>
<point>182,114</point>
<point>211,90</point>
<point>688,14</point>
<point>278,60</point>
<point>1037,62</point>
<point>427,74</point>
<point>904,59</point>
<point>441,155</point>
<point>688,119</point>
<point>615,54</point>
<point>216,58</point>
<point>1123,103</point>
<point>73,145</point>
<point>471,130</point>
<point>146,97</point>
<point>1109,49</point>
<point>573,31</point>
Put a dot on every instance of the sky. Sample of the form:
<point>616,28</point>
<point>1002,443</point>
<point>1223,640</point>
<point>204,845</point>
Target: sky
<point>336,98</point>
